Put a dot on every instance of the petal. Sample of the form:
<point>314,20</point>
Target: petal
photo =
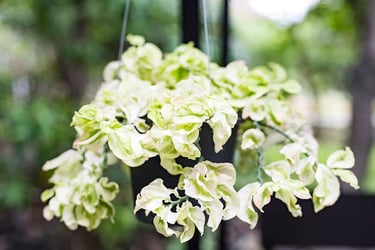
<point>341,159</point>
<point>221,130</point>
<point>110,71</point>
<point>263,195</point>
<point>214,210</point>
<point>47,213</point>
<point>189,229</point>
<point>347,176</point>
<point>290,200</point>
<point>256,110</point>
<point>305,170</point>
<point>68,158</point>
<point>47,194</point>
<point>197,216</point>
<point>252,139</point>
<point>171,166</point>
<point>125,144</point>
<point>184,147</point>
<point>225,173</point>
<point>327,191</point>
<point>152,196</point>
<point>162,227</point>
<point>232,202</point>
<point>291,86</point>
<point>299,189</point>
<point>108,190</point>
<point>293,152</point>
<point>246,210</point>
<point>278,170</point>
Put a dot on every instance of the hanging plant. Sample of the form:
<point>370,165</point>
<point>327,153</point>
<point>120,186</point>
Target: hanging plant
<point>151,112</point>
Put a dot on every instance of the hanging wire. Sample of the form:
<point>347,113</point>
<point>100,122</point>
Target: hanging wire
<point>204,7</point>
<point>123,28</point>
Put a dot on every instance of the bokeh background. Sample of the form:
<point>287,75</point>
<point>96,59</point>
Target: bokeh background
<point>52,53</point>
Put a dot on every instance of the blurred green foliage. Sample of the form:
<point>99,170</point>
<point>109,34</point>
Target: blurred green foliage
<point>317,51</point>
<point>38,39</point>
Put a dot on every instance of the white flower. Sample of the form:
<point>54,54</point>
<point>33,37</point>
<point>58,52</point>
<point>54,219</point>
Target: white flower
<point>327,191</point>
<point>255,110</point>
<point>152,104</point>
<point>80,196</point>
<point>68,159</point>
<point>293,152</point>
<point>252,139</point>
<point>305,170</point>
<point>247,211</point>
<point>153,196</point>
<point>278,170</point>
<point>342,159</point>
<point>126,144</point>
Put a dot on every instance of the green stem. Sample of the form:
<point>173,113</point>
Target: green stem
<point>83,154</point>
<point>105,158</point>
<point>260,163</point>
<point>260,158</point>
<point>179,201</point>
<point>276,129</point>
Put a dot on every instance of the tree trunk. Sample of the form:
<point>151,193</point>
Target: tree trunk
<point>362,87</point>
<point>75,77</point>
<point>362,84</point>
<point>73,69</point>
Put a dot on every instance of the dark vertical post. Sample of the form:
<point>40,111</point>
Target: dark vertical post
<point>190,21</point>
<point>222,235</point>
<point>225,32</point>
<point>190,33</point>
<point>193,244</point>
<point>224,60</point>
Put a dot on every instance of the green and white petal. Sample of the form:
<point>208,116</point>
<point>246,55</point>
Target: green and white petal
<point>232,202</point>
<point>298,188</point>
<point>221,130</point>
<point>199,185</point>
<point>327,191</point>
<point>287,197</point>
<point>347,176</point>
<point>215,212</point>
<point>305,170</point>
<point>107,190</point>
<point>66,159</point>
<point>341,159</point>
<point>278,170</point>
<point>224,173</point>
<point>152,196</point>
<point>163,228</point>
<point>263,195</point>
<point>184,147</point>
<point>246,210</point>
<point>256,110</point>
<point>293,152</point>
<point>189,229</point>
<point>291,86</point>
<point>126,144</point>
<point>197,216</point>
<point>171,166</point>
<point>252,139</point>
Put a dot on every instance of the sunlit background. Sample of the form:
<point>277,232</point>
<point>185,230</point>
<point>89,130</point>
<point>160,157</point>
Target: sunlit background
<point>287,12</point>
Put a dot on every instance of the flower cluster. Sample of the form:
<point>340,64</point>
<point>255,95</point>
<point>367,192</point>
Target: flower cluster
<point>204,190</point>
<point>155,105</point>
<point>80,196</point>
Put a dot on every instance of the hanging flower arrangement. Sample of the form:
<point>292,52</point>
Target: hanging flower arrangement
<point>156,106</point>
